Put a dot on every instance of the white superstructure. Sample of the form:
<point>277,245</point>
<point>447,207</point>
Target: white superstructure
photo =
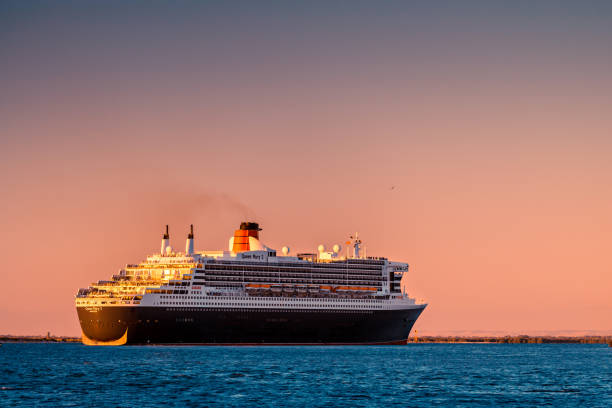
<point>250,275</point>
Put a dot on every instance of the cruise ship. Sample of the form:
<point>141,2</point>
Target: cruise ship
<point>250,294</point>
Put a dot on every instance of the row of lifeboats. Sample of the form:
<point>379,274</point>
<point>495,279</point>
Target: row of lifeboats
<point>309,288</point>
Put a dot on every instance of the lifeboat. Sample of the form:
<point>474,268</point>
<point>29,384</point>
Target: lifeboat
<point>355,289</point>
<point>257,286</point>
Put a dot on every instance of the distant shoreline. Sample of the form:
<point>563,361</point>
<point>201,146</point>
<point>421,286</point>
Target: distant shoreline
<point>419,339</point>
<point>523,339</point>
<point>8,338</point>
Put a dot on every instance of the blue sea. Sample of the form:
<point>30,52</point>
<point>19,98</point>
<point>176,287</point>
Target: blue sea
<point>421,375</point>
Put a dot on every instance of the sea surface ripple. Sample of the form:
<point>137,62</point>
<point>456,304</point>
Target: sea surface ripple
<point>469,375</point>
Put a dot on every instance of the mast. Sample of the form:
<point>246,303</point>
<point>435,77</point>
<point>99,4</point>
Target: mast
<point>356,245</point>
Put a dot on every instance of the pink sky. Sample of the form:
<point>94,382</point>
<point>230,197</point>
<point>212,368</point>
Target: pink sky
<point>497,142</point>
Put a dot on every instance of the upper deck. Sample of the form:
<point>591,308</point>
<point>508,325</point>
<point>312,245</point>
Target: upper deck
<point>254,270</point>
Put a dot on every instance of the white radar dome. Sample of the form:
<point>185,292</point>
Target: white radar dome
<point>168,250</point>
<point>285,250</point>
<point>321,248</point>
<point>337,248</point>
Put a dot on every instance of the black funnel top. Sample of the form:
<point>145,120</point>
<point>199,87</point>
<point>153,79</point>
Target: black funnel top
<point>249,226</point>
<point>190,236</point>
<point>166,235</point>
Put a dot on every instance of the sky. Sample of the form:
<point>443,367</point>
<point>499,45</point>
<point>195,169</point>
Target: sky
<point>472,140</point>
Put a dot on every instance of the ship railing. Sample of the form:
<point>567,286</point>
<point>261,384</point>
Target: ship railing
<point>256,292</point>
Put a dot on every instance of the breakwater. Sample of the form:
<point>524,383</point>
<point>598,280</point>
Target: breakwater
<point>9,338</point>
<point>523,339</point>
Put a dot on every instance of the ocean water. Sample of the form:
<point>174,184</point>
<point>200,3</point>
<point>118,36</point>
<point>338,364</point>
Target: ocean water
<point>470,375</point>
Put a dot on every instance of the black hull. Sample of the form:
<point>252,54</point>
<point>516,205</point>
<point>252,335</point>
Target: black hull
<point>162,325</point>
